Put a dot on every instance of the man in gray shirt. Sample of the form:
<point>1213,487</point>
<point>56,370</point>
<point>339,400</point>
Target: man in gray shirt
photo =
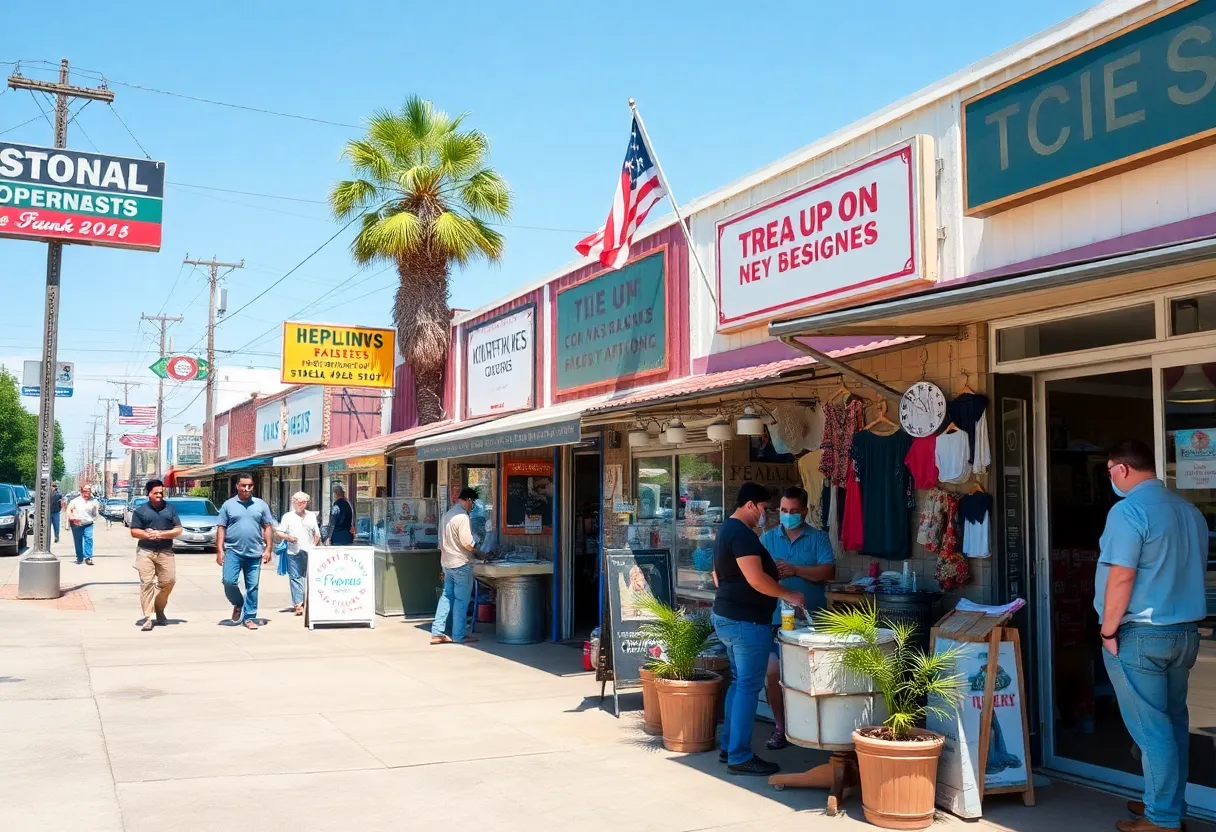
<point>244,536</point>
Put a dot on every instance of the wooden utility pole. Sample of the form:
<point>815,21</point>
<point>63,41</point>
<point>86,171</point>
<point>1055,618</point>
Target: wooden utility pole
<point>213,278</point>
<point>105,451</point>
<point>126,389</point>
<point>164,321</point>
<point>38,574</point>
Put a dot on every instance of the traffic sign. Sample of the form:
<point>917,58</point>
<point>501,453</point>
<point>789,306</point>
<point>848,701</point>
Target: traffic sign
<point>181,367</point>
<point>31,376</point>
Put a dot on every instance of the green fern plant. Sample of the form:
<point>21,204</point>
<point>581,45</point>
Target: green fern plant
<point>682,636</point>
<point>913,683</point>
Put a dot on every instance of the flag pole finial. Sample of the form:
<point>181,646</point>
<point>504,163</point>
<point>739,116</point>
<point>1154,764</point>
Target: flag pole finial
<point>631,103</point>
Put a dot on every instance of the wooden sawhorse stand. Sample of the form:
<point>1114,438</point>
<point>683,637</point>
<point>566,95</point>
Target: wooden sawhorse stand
<point>837,775</point>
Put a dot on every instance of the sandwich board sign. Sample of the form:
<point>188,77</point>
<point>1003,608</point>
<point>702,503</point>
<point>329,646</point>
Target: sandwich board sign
<point>341,586</point>
<point>630,575</point>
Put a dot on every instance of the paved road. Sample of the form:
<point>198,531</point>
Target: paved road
<point>203,726</point>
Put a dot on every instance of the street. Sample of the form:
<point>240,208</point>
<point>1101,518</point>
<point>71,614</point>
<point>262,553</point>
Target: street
<point>204,726</point>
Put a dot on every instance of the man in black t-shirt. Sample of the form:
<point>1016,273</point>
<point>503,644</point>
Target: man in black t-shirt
<point>746,575</point>
<point>154,524</point>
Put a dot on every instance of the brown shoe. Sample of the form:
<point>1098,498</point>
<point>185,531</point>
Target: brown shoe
<point>1142,825</point>
<point>236,615</point>
<point>88,561</point>
<point>250,624</point>
<point>1136,807</point>
<point>441,640</point>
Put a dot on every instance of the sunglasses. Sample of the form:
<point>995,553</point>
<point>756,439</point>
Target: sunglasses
<point>1110,468</point>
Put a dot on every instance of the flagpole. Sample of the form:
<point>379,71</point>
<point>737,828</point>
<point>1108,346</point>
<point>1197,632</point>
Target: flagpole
<point>672,198</point>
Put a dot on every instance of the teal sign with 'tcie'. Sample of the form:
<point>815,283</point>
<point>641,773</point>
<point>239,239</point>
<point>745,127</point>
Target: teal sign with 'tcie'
<point>613,326</point>
<point>1146,93</point>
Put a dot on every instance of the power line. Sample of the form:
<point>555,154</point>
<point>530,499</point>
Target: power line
<point>128,129</point>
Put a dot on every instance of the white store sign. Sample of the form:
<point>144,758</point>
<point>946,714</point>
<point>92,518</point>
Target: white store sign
<point>268,435</point>
<point>341,586</point>
<point>294,422</point>
<point>221,442</point>
<point>500,365</point>
<point>864,229</point>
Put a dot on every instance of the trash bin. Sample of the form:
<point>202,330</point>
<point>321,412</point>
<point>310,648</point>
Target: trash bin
<point>520,609</point>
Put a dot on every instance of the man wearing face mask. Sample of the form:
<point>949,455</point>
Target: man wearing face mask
<point>1149,595</point>
<point>804,562</point>
<point>744,606</point>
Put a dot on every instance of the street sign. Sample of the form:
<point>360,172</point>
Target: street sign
<point>31,373</point>
<point>181,367</point>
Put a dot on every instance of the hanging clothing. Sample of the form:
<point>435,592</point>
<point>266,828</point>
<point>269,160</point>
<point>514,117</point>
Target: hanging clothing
<point>852,529</point>
<point>841,420</point>
<point>966,411</point>
<point>814,428</point>
<point>921,462</point>
<point>952,571</point>
<point>932,528</point>
<point>952,457</point>
<point>982,457</point>
<point>886,493</point>
<point>812,483</point>
<point>833,515</point>
<point>975,510</point>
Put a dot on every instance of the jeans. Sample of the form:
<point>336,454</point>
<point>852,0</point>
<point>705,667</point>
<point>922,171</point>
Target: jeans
<point>748,646</point>
<point>55,526</point>
<point>82,536</point>
<point>457,590</point>
<point>1150,677</point>
<point>250,566</point>
<point>297,573</point>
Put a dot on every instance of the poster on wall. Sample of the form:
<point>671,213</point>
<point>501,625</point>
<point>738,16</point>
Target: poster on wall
<point>612,326</point>
<point>1196,457</point>
<point>528,488</point>
<point>500,365</point>
<point>342,586</point>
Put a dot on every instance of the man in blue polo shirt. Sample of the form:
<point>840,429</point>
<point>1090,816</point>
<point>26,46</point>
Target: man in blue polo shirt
<point>244,535</point>
<point>805,561</point>
<point>1149,595</point>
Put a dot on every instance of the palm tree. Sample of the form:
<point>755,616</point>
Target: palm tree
<point>426,197</point>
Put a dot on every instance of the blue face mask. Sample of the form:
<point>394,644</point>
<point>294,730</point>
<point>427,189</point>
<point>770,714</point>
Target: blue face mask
<point>1117,489</point>
<point>791,521</point>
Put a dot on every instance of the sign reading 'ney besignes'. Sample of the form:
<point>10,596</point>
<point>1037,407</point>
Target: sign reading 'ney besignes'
<point>500,364</point>
<point>68,196</point>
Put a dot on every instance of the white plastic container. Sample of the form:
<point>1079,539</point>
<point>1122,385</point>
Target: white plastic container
<point>824,702</point>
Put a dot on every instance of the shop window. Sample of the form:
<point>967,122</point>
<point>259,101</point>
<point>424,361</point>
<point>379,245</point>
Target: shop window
<point>1081,332</point>
<point>655,485</point>
<point>1193,314</point>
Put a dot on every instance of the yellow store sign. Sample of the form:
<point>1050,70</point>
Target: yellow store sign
<point>354,356</point>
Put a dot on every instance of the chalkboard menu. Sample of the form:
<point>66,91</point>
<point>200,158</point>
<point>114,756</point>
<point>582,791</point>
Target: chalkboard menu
<point>527,496</point>
<point>629,576</point>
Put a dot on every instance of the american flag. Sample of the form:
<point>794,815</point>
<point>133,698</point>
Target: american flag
<point>136,415</point>
<point>138,440</point>
<point>638,189</point>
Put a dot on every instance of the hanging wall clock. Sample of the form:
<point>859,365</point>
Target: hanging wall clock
<point>922,409</point>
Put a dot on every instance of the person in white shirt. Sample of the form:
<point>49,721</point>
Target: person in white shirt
<point>457,548</point>
<point>299,528</point>
<point>82,514</point>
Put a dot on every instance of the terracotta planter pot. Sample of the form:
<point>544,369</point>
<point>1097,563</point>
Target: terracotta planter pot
<point>721,666</point>
<point>652,717</point>
<point>898,779</point>
<point>687,710</point>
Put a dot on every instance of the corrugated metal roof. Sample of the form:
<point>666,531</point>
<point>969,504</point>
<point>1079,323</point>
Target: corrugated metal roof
<point>381,444</point>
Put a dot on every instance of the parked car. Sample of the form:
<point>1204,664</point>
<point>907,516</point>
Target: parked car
<point>131,506</point>
<point>12,522</point>
<point>26,500</point>
<point>114,509</point>
<point>198,517</point>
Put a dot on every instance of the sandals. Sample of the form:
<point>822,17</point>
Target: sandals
<point>441,640</point>
<point>299,609</point>
<point>250,624</point>
<point>149,623</point>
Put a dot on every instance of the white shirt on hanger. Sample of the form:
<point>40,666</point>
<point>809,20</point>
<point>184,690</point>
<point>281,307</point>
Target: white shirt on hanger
<point>983,446</point>
<point>975,537</point>
<point>952,456</point>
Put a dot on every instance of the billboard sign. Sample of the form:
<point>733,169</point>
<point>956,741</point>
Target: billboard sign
<point>338,355</point>
<point>31,379</point>
<point>500,365</point>
<point>188,449</point>
<point>68,196</point>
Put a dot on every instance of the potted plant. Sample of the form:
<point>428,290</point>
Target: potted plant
<point>897,761</point>
<point>687,695</point>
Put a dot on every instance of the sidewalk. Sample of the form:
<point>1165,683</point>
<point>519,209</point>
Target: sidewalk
<point>203,726</point>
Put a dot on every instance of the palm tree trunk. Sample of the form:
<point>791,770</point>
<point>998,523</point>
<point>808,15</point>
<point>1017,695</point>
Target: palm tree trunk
<point>423,321</point>
<point>428,395</point>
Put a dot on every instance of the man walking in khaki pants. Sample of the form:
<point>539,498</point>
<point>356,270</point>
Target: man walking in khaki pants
<point>154,524</point>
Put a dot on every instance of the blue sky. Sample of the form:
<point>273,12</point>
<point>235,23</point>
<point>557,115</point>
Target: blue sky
<point>725,88</point>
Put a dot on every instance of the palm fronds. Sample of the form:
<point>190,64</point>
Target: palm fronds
<point>682,636</point>
<point>912,683</point>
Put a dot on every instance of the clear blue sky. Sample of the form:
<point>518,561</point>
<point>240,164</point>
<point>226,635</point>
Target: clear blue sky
<point>725,88</point>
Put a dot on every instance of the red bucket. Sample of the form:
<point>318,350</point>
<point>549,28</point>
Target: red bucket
<point>588,662</point>
<point>485,613</point>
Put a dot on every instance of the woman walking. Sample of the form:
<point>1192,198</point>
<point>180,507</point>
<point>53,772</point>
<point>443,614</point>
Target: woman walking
<point>299,528</point>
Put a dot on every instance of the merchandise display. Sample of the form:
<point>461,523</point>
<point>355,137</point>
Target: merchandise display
<point>976,510</point>
<point>922,462</point>
<point>841,420</point>
<point>952,456</point>
<point>886,493</point>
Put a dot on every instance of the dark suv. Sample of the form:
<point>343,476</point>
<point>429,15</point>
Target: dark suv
<point>13,524</point>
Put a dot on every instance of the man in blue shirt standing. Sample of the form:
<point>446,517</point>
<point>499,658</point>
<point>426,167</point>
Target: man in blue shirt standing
<point>244,537</point>
<point>805,561</point>
<point>1149,595</point>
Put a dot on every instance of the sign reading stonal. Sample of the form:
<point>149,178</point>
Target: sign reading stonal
<point>500,364</point>
<point>62,195</point>
<point>333,354</point>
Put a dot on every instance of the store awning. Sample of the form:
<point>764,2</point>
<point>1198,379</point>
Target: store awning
<point>243,463</point>
<point>560,424</point>
<point>297,458</point>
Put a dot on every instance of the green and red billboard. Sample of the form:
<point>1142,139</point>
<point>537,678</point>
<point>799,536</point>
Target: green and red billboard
<point>62,195</point>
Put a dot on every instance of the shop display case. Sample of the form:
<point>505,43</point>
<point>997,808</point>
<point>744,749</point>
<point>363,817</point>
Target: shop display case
<point>405,535</point>
<point>404,523</point>
<point>695,556</point>
<point>642,534</point>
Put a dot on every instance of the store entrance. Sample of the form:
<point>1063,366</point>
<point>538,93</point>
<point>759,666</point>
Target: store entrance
<point>586,559</point>
<point>1085,416</point>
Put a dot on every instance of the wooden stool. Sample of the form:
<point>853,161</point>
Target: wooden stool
<point>837,775</point>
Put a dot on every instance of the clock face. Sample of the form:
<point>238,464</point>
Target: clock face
<point>922,409</point>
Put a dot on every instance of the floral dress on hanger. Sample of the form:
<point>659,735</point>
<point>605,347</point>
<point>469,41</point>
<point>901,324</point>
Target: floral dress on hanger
<point>840,422</point>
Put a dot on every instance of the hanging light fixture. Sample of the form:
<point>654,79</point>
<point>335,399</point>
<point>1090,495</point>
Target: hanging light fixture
<point>749,424</point>
<point>638,435</point>
<point>676,432</point>
<point>1192,388</point>
<point>719,430</point>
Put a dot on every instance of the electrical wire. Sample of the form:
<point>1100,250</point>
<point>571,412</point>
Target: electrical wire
<point>128,129</point>
<point>19,126</point>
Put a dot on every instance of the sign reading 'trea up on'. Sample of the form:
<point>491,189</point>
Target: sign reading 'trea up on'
<point>1143,94</point>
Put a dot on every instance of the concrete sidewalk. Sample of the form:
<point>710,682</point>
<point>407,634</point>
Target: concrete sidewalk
<point>205,726</point>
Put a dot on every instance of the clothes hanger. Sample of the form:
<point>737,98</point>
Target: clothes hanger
<point>881,418</point>
<point>976,488</point>
<point>841,390</point>
<point>966,384</point>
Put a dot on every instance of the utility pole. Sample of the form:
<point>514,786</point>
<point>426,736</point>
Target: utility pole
<point>126,389</point>
<point>213,279</point>
<point>105,452</point>
<point>38,574</point>
<point>164,321</point>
